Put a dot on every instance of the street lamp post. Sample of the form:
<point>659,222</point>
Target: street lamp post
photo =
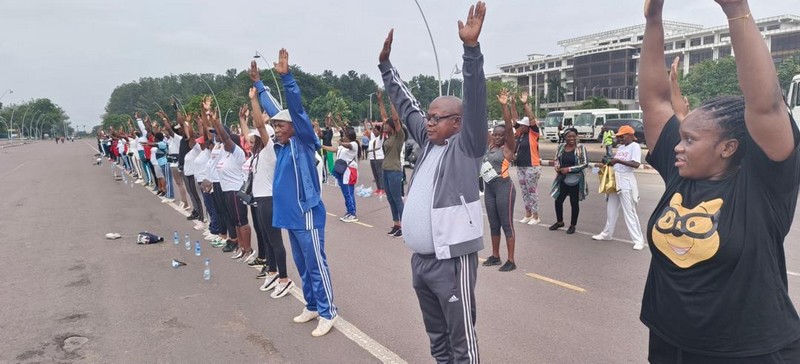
<point>433,44</point>
<point>12,121</point>
<point>212,93</point>
<point>277,86</point>
<point>22,127</point>
<point>455,71</point>
<point>226,117</point>
<point>9,91</point>
<point>370,106</point>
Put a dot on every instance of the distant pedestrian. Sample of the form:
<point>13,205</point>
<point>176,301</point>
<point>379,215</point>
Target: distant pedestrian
<point>570,162</point>
<point>393,170</point>
<point>528,160</point>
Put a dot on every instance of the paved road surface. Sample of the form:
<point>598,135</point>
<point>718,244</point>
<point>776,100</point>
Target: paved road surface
<point>572,300</point>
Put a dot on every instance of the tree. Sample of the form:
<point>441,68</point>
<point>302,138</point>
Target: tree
<point>334,103</point>
<point>710,79</point>
<point>555,91</point>
<point>788,69</point>
<point>425,89</point>
<point>492,90</point>
<point>594,103</point>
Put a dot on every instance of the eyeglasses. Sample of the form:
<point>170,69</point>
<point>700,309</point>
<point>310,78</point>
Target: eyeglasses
<point>696,225</point>
<point>435,119</point>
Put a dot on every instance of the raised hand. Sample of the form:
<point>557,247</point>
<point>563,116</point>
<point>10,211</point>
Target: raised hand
<point>137,115</point>
<point>469,31</point>
<point>282,66</point>
<point>673,74</point>
<point>206,103</point>
<point>523,97</point>
<point>253,93</point>
<point>243,113</point>
<point>254,75</point>
<point>162,115</point>
<point>653,8</point>
<point>502,98</point>
<point>387,47</point>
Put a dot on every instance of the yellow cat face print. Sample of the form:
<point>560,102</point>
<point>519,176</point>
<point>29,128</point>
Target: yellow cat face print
<point>688,236</point>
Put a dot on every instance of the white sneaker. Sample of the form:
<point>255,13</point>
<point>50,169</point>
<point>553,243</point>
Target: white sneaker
<point>211,237</point>
<point>638,246</point>
<point>270,281</point>
<point>349,218</point>
<point>306,316</point>
<point>324,326</point>
<point>249,258</point>
<point>601,236</point>
<point>526,219</point>
<point>199,226</point>
<point>167,200</point>
<point>237,254</point>
<point>534,221</point>
<point>282,289</point>
<point>139,181</point>
<point>180,205</point>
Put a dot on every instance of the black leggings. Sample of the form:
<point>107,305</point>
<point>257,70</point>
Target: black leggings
<point>270,241</point>
<point>572,192</point>
<point>197,204</point>
<point>221,207</point>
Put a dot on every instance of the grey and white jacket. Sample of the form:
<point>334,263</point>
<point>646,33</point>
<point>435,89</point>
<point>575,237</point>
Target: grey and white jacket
<point>456,215</point>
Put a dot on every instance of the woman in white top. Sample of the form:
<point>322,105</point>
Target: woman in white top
<point>347,154</point>
<point>375,154</point>
<point>195,147</point>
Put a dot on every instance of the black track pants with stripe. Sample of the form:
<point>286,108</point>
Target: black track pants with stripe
<point>446,293</point>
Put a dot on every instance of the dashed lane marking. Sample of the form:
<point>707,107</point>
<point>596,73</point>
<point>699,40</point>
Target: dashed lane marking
<point>355,335</point>
<point>556,282</point>
<point>14,170</point>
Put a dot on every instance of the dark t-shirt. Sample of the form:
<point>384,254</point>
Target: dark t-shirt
<point>327,137</point>
<point>568,159</point>
<point>523,151</point>
<point>183,148</point>
<point>717,281</point>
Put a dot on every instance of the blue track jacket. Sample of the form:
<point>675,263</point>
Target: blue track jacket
<point>296,187</point>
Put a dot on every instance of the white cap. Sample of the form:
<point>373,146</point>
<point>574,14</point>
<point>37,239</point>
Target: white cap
<point>525,121</point>
<point>283,115</point>
<point>270,131</point>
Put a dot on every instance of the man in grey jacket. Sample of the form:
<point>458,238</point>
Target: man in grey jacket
<point>442,219</point>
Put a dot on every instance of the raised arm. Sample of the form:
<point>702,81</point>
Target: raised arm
<point>510,143</point>
<point>268,103</point>
<point>654,91</point>
<point>303,129</point>
<point>381,107</point>
<point>258,118</point>
<point>142,127</point>
<point>400,96</point>
<point>523,99</point>
<point>679,105</point>
<point>473,130</point>
<point>766,116</point>
<point>244,113</point>
<point>167,126</point>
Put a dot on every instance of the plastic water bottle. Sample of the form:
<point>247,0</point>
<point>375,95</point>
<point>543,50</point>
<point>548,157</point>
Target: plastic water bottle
<point>176,239</point>
<point>197,248</point>
<point>207,271</point>
<point>188,243</point>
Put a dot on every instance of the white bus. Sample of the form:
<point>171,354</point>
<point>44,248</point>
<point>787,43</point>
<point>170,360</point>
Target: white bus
<point>793,97</point>
<point>590,122</point>
<point>556,121</point>
<point>624,114</point>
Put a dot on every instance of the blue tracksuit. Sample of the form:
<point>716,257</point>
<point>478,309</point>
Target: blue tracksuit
<point>297,204</point>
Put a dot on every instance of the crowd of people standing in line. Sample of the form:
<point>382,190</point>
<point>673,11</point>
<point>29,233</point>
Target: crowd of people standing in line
<point>717,230</point>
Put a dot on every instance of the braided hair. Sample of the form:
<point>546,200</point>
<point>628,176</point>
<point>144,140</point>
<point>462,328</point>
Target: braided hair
<point>728,112</point>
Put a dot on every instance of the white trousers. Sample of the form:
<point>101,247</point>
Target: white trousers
<point>623,199</point>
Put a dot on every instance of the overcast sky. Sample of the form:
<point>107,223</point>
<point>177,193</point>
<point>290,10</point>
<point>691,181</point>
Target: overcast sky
<point>76,51</point>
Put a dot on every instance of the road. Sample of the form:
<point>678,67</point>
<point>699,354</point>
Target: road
<point>572,300</point>
<point>547,150</point>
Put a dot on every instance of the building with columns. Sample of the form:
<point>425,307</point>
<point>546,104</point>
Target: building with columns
<point>605,64</point>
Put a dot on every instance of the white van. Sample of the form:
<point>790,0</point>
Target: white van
<point>793,98</point>
<point>556,121</point>
<point>590,123</point>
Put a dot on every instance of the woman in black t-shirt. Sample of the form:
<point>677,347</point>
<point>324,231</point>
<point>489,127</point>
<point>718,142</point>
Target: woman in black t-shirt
<point>717,289</point>
<point>571,160</point>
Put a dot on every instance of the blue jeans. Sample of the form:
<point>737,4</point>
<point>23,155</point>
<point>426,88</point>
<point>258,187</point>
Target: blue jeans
<point>348,192</point>
<point>393,185</point>
<point>170,193</point>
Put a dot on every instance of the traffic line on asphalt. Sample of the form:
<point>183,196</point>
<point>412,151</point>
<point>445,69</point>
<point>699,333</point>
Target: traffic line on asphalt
<point>556,282</point>
<point>356,222</point>
<point>15,169</point>
<point>355,335</point>
<point>793,273</point>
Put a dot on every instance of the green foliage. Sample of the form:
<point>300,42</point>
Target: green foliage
<point>594,103</point>
<point>555,91</point>
<point>331,102</point>
<point>492,90</point>
<point>33,116</point>
<point>710,79</point>
<point>788,69</point>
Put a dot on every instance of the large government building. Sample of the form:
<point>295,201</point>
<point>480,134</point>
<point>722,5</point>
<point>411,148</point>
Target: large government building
<point>605,64</point>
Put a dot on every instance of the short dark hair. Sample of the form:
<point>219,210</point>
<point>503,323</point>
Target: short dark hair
<point>570,130</point>
<point>728,112</point>
<point>159,136</point>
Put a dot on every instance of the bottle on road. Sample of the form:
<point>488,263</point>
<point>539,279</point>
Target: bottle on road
<point>176,239</point>
<point>207,270</point>
<point>188,242</point>
<point>197,248</point>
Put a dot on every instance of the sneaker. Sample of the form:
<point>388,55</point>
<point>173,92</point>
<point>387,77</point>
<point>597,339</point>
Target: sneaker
<point>571,229</point>
<point>556,226</point>
<point>257,261</point>
<point>638,246</point>
<point>210,237</point>
<point>192,216</point>
<point>601,236</point>
<point>306,316</point>
<point>168,200</point>
<point>270,282</point>
<point>250,257</point>
<point>349,218</point>
<point>398,233</point>
<point>526,219</point>
<point>218,242</point>
<point>230,246</point>
<point>282,289</point>
<point>509,266</point>
<point>534,221</point>
<point>324,326</point>
<point>491,260</point>
<point>263,273</point>
<point>180,205</point>
<point>138,182</point>
<point>186,207</point>
<point>394,230</point>
<point>199,225</point>
<point>238,253</point>
<point>160,193</point>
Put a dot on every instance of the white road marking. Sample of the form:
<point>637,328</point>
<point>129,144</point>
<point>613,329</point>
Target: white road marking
<point>14,170</point>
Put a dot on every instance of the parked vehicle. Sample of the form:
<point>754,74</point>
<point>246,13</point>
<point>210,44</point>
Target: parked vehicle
<point>557,121</point>
<point>636,124</point>
<point>793,98</point>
